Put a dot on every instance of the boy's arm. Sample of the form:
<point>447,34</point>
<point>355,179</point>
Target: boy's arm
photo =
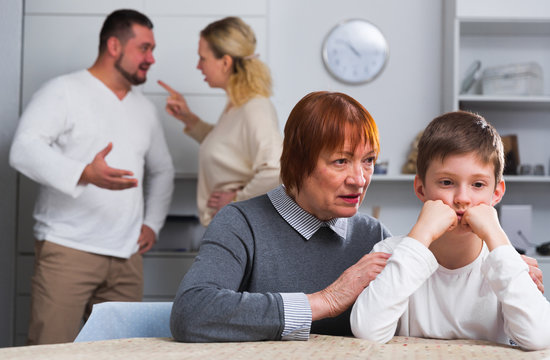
<point>483,220</point>
<point>376,313</point>
<point>525,310</point>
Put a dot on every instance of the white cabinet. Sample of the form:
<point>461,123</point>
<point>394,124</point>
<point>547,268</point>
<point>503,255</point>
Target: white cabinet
<point>498,33</point>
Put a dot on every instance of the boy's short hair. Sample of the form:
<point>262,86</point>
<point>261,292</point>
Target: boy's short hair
<point>460,132</point>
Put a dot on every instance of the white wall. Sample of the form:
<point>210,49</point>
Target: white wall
<point>402,100</point>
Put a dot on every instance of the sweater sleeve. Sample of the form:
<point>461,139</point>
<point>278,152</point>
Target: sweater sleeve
<point>199,131</point>
<point>526,311</point>
<point>376,312</point>
<point>159,180</point>
<point>37,147</point>
<point>263,144</point>
<point>212,303</point>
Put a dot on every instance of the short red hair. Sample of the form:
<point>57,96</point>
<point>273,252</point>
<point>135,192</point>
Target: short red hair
<point>321,121</point>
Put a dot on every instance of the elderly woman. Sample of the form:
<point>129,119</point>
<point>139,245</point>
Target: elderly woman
<point>291,262</point>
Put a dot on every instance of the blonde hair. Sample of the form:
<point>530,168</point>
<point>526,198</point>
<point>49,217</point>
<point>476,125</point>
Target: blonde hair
<point>250,76</point>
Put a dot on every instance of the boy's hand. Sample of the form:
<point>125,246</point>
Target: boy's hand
<point>434,220</point>
<point>483,220</point>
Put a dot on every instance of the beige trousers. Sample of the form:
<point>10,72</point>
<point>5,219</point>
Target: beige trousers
<point>68,282</point>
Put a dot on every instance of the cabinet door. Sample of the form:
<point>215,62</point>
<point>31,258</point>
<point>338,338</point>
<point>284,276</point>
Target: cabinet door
<point>163,274</point>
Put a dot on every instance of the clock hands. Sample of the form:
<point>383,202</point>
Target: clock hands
<point>354,50</point>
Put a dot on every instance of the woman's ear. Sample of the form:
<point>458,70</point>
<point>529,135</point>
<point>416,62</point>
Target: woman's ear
<point>500,189</point>
<point>419,188</point>
<point>227,63</point>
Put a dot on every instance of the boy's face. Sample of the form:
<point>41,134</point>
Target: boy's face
<point>461,182</point>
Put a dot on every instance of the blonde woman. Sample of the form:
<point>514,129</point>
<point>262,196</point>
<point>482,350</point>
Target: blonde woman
<point>239,156</point>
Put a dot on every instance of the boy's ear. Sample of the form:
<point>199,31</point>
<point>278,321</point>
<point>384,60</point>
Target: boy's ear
<point>419,189</point>
<point>500,189</point>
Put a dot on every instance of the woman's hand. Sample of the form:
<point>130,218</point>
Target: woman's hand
<point>342,293</point>
<point>177,106</point>
<point>219,199</point>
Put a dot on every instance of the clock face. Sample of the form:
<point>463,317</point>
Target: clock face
<point>355,51</point>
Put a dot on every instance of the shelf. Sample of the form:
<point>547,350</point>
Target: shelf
<point>504,27</point>
<point>526,179</point>
<point>506,102</point>
<point>507,178</point>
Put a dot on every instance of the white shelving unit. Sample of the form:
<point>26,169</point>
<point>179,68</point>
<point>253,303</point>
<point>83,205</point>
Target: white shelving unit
<point>501,33</point>
<point>509,33</point>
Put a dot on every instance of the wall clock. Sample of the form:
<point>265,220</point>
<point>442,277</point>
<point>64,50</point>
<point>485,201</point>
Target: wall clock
<point>355,51</point>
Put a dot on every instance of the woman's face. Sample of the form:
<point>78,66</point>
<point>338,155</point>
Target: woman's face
<point>338,183</point>
<point>216,71</point>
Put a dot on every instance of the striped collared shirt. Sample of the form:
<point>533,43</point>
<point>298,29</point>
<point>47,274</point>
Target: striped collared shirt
<point>297,310</point>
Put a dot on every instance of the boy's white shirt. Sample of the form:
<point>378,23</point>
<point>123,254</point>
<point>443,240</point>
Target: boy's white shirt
<point>493,298</point>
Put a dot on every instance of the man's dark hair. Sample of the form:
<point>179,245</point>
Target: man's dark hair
<point>119,24</point>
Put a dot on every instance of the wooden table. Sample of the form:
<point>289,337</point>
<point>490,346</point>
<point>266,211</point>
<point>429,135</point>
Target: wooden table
<point>318,347</point>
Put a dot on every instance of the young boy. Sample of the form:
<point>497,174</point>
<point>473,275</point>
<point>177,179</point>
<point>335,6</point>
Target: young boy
<point>455,275</point>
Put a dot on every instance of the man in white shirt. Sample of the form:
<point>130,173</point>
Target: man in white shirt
<point>93,219</point>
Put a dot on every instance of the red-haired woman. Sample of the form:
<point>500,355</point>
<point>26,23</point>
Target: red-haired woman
<point>291,262</point>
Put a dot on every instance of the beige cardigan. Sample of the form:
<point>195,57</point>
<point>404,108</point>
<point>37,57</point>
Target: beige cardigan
<point>241,151</point>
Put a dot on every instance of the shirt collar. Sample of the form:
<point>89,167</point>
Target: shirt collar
<point>300,220</point>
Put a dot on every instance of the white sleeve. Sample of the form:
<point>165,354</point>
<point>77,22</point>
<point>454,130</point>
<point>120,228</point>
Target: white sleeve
<point>36,151</point>
<point>158,180</point>
<point>526,311</point>
<point>375,314</point>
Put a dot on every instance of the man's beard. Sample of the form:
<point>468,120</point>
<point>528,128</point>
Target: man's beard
<point>132,78</point>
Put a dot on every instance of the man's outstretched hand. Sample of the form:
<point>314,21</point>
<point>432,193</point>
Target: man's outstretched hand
<point>102,175</point>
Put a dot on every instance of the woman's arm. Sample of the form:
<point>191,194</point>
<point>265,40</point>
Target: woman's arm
<point>178,108</point>
<point>212,303</point>
<point>262,143</point>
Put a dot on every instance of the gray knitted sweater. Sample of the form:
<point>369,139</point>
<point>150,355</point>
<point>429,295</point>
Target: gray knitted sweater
<point>248,255</point>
